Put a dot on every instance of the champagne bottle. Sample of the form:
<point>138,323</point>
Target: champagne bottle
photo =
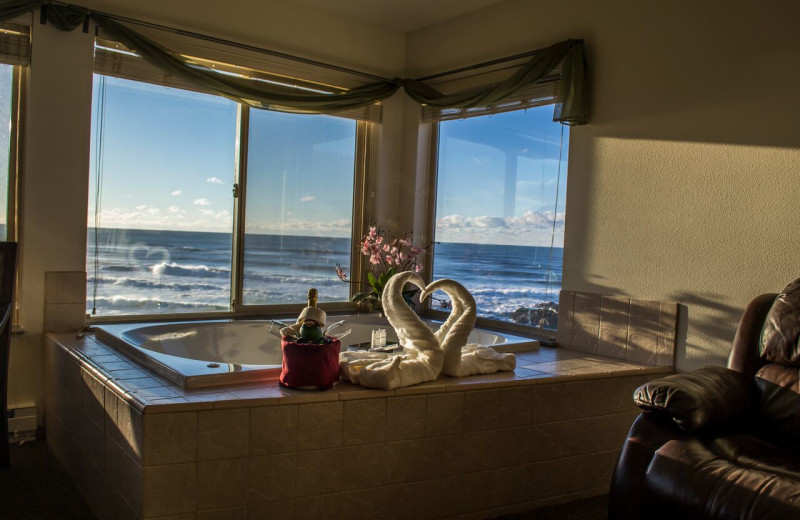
<point>310,330</point>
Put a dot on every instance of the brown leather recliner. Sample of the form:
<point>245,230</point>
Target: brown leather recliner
<point>721,443</point>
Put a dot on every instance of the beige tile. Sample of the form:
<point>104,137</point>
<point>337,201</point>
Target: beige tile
<point>444,456</point>
<point>223,434</point>
<point>363,467</point>
<point>665,355</point>
<point>642,348</point>
<point>319,472</point>
<point>51,287</point>
<point>319,425</point>
<point>364,421</point>
<point>64,317</point>
<point>271,477</point>
<point>566,307</point>
<point>319,507</point>
<point>221,483</point>
<point>405,417</point>
<point>405,461</point>
<point>587,309</point>
<point>612,343</point>
<point>481,410</point>
<point>93,397</point>
<point>669,319</point>
<point>273,429</point>
<point>123,472</point>
<point>614,312</point>
<point>170,438</point>
<point>584,338</point>
<point>232,513</point>
<point>564,334</point>
<point>444,414</point>
<point>169,489</point>
<point>278,510</point>
<point>508,486</point>
<point>71,287</point>
<point>645,316</point>
<point>124,424</point>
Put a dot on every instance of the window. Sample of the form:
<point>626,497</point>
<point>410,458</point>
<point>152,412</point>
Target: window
<point>500,199</point>
<point>160,204</point>
<point>299,206</point>
<point>14,58</point>
<point>163,221</point>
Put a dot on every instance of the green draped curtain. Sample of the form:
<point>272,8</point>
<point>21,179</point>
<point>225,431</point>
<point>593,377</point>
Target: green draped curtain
<point>571,104</point>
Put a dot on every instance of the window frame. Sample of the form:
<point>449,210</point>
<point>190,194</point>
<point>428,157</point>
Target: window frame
<point>362,184</point>
<point>426,310</point>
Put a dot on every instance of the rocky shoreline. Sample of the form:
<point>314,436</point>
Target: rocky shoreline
<point>543,315</point>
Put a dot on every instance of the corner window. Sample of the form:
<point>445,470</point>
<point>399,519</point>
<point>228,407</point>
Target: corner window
<point>500,205</point>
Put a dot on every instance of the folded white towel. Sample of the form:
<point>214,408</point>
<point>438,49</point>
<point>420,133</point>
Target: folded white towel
<point>462,359</point>
<point>422,358</point>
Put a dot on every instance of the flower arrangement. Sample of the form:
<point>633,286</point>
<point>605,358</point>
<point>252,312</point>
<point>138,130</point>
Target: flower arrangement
<point>388,255</point>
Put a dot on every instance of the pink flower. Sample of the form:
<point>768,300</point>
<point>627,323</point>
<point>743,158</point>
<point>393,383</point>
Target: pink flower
<point>372,232</point>
<point>389,260</point>
<point>375,259</point>
<point>406,242</point>
<point>418,268</point>
<point>340,273</point>
<point>386,247</point>
<point>379,240</point>
<point>415,251</point>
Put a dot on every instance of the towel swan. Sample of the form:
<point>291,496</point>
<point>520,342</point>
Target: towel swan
<point>423,359</point>
<point>462,359</point>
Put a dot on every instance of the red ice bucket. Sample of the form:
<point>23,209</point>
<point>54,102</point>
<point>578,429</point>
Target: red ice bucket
<point>310,365</point>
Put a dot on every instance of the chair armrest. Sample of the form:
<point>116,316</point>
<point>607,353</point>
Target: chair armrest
<point>706,399</point>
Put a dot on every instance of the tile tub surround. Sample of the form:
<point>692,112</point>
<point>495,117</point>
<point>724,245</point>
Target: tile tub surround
<point>640,331</point>
<point>478,447</point>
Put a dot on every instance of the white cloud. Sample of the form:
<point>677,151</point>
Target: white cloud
<point>335,228</point>
<point>308,199</point>
<point>176,192</point>
<point>207,211</point>
<point>531,228</point>
<point>174,209</point>
<point>201,202</point>
<point>141,207</point>
<point>153,211</point>
<point>215,180</point>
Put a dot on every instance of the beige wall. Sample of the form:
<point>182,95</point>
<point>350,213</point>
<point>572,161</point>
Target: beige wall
<point>684,187</point>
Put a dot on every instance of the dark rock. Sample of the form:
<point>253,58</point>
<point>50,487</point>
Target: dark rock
<point>543,315</point>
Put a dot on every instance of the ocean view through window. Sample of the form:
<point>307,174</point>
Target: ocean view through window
<point>160,204</point>
<point>6,113</point>
<point>500,199</point>
<point>161,216</point>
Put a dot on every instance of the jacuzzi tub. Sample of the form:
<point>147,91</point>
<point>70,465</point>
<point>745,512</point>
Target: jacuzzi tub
<point>209,353</point>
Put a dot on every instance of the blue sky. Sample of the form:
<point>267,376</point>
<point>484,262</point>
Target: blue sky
<point>169,162</point>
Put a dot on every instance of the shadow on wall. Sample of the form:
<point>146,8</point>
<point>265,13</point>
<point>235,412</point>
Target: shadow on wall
<point>693,88</point>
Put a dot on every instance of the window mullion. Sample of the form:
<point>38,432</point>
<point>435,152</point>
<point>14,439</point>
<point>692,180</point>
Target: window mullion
<point>239,205</point>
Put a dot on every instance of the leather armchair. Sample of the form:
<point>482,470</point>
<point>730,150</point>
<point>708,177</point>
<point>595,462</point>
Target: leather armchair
<point>721,443</point>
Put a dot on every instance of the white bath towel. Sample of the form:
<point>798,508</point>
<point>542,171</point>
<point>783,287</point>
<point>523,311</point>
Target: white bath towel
<point>460,358</point>
<point>422,358</point>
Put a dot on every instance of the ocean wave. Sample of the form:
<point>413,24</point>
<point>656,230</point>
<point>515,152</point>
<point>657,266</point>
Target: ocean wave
<point>150,284</point>
<point>173,269</point>
<point>127,302</point>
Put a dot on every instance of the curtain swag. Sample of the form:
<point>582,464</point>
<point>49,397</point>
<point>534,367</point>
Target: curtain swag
<point>571,108</point>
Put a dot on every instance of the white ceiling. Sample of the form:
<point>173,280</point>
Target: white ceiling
<point>406,15</point>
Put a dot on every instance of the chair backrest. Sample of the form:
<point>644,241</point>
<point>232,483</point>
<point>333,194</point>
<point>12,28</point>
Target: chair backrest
<point>766,348</point>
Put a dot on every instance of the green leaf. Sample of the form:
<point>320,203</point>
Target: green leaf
<point>357,297</point>
<point>372,280</point>
<point>384,278</point>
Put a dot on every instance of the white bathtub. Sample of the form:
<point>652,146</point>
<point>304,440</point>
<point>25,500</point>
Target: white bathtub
<point>209,353</point>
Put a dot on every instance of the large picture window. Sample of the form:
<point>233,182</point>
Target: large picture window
<point>162,217</point>
<point>500,203</point>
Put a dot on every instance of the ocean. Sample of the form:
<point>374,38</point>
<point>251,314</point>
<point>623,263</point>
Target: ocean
<point>146,271</point>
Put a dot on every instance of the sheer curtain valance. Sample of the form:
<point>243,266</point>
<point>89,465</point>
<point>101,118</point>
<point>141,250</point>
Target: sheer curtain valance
<point>562,64</point>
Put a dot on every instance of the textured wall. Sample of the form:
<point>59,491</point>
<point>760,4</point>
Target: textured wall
<point>684,186</point>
